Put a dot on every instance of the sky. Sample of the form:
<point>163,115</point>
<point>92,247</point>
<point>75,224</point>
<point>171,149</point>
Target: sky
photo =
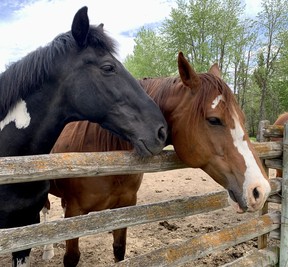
<point>27,24</point>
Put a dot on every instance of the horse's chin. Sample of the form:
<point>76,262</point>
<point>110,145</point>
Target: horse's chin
<point>146,150</point>
<point>235,206</point>
<point>142,150</point>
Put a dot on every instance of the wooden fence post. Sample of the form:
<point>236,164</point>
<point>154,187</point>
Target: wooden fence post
<point>262,240</point>
<point>260,135</point>
<point>284,207</point>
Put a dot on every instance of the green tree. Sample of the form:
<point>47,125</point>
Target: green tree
<point>252,54</point>
<point>244,44</point>
<point>273,22</point>
<point>205,31</point>
<point>148,59</point>
<point>190,30</point>
<point>280,83</point>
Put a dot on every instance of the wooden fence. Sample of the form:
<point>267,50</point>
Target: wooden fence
<point>55,166</point>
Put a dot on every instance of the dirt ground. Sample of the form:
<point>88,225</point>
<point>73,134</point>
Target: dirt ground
<point>96,250</point>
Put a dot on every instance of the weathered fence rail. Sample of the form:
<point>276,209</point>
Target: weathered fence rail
<point>107,220</point>
<point>54,166</point>
<point>68,165</point>
<point>205,244</point>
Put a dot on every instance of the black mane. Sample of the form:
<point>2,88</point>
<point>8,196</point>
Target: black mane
<point>26,75</point>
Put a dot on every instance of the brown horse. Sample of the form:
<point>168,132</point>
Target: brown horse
<point>207,131</point>
<point>281,120</point>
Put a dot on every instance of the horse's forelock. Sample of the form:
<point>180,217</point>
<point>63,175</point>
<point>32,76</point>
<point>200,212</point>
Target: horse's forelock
<point>97,37</point>
<point>212,87</point>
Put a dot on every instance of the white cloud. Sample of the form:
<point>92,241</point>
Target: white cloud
<point>38,23</point>
<point>252,7</point>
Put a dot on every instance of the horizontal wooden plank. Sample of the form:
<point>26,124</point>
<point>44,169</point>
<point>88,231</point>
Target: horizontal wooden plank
<point>275,199</point>
<point>276,184</point>
<point>262,257</point>
<point>107,220</point>
<point>269,150</point>
<point>68,165</point>
<point>275,234</point>
<point>202,245</point>
<point>274,163</point>
<point>275,131</point>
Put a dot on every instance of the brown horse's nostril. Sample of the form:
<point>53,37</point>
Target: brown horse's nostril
<point>162,134</point>
<point>256,193</point>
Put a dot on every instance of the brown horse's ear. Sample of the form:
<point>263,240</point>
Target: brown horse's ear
<point>187,74</point>
<point>214,69</point>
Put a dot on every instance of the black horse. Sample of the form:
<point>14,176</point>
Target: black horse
<point>75,77</point>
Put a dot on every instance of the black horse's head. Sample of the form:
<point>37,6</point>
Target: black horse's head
<point>103,91</point>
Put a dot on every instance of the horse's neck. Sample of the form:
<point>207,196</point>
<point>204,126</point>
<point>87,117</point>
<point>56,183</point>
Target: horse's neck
<point>88,137</point>
<point>33,129</point>
<point>168,96</point>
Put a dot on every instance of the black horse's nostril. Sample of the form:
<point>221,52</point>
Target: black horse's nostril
<point>256,193</point>
<point>162,134</point>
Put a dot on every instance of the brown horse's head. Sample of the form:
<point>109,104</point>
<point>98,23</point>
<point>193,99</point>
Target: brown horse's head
<point>208,132</point>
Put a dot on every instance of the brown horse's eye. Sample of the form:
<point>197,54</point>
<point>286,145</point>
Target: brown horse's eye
<point>214,121</point>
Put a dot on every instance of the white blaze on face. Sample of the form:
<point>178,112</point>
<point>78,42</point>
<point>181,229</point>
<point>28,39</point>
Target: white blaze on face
<point>253,174</point>
<point>216,101</point>
<point>19,115</point>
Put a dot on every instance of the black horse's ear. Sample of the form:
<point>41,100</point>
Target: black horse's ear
<point>80,26</point>
<point>101,27</point>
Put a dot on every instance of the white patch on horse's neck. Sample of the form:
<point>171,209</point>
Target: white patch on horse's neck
<point>19,115</point>
<point>253,172</point>
<point>216,101</point>
<point>26,263</point>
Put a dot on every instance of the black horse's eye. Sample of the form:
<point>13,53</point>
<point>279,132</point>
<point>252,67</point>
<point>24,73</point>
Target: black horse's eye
<point>108,68</point>
<point>214,121</point>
